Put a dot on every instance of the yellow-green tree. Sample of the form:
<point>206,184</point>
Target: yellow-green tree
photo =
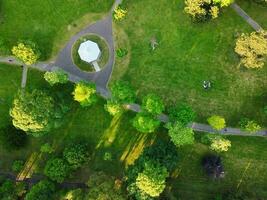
<point>252,49</point>
<point>27,53</point>
<point>220,144</point>
<point>217,122</point>
<point>85,93</point>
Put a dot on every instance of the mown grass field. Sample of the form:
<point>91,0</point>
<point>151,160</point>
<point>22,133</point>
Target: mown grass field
<point>48,23</point>
<point>189,53</point>
<point>245,163</point>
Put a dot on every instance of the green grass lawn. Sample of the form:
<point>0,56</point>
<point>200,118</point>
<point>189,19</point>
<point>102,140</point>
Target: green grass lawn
<point>189,53</point>
<point>258,12</point>
<point>48,23</point>
<point>245,163</point>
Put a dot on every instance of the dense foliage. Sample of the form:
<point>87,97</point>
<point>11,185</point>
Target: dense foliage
<point>180,135</point>
<point>217,122</point>
<point>12,138</point>
<point>76,155</point>
<point>123,92</point>
<point>57,169</point>
<point>252,48</point>
<point>201,10</point>
<point>249,125</point>
<point>26,52</point>
<point>17,165</point>
<point>47,148</point>
<point>34,112</point>
<point>41,191</point>
<point>145,123</point>
<point>113,108</point>
<point>56,77</point>
<point>182,113</point>
<point>153,104</point>
<point>220,144</point>
<point>85,93</point>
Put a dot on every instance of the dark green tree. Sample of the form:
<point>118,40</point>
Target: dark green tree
<point>182,113</point>
<point>41,191</point>
<point>57,169</point>
<point>145,123</point>
<point>123,92</point>
<point>153,104</point>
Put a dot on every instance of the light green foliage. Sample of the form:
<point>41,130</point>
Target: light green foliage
<point>182,113</point>
<point>26,52</point>
<point>34,112</point>
<point>153,104</point>
<point>249,125</point>
<point>85,93</point>
<point>17,165</point>
<point>123,92</point>
<point>41,191</point>
<point>55,77</point>
<point>180,135</point>
<point>145,123</point>
<point>217,122</point>
<point>252,48</point>
<point>76,194</point>
<point>113,108</point>
<point>104,187</point>
<point>152,180</point>
<point>47,148</point>
<point>57,169</point>
<point>76,155</point>
<point>219,144</point>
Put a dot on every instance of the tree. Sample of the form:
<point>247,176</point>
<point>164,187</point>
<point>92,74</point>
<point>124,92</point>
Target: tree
<point>113,108</point>
<point>41,191</point>
<point>119,13</point>
<point>75,194</point>
<point>179,134</point>
<point>122,92</point>
<point>153,104</point>
<point>85,93</point>
<point>27,52</point>
<point>34,112</point>
<point>47,148</point>
<point>249,125</point>
<point>145,123</point>
<point>7,191</point>
<point>12,138</point>
<point>219,144</point>
<point>217,122</point>
<point>182,113</point>
<point>252,48</point>
<point>17,165</point>
<point>104,187</point>
<point>56,77</point>
<point>57,169</point>
<point>76,155</point>
<point>152,180</point>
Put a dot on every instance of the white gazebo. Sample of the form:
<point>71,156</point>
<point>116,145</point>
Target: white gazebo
<point>89,52</point>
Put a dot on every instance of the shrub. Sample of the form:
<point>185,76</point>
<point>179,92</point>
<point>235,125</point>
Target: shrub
<point>76,155</point>
<point>121,52</point>
<point>119,13</point>
<point>152,180</point>
<point>182,113</point>
<point>180,135</point>
<point>17,165</point>
<point>41,191</point>
<point>85,93</point>
<point>249,125</point>
<point>27,52</point>
<point>107,156</point>
<point>12,138</point>
<point>217,122</point>
<point>122,92</point>
<point>207,138</point>
<point>57,169</point>
<point>113,108</point>
<point>220,145</point>
<point>55,77</point>
<point>145,123</point>
<point>252,49</point>
<point>153,104</point>
<point>47,148</point>
<point>34,112</point>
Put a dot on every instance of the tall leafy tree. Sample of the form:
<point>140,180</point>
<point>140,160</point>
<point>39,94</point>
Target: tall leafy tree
<point>145,123</point>
<point>123,92</point>
<point>57,169</point>
<point>153,104</point>
<point>217,122</point>
<point>43,190</point>
<point>56,77</point>
<point>34,112</point>
<point>182,113</point>
<point>85,93</point>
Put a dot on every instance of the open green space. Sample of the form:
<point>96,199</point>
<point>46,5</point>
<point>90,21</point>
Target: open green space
<point>189,53</point>
<point>48,23</point>
<point>244,164</point>
<point>103,59</point>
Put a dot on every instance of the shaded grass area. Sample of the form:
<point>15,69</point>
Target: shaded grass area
<point>189,53</point>
<point>256,11</point>
<point>102,60</point>
<point>47,22</point>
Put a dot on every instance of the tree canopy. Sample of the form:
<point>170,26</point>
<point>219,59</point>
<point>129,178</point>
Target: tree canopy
<point>85,93</point>
<point>219,144</point>
<point>153,104</point>
<point>57,169</point>
<point>252,48</point>
<point>41,191</point>
<point>217,122</point>
<point>145,123</point>
<point>182,113</point>
<point>34,112</point>
<point>56,77</point>
<point>123,92</point>
<point>113,108</point>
